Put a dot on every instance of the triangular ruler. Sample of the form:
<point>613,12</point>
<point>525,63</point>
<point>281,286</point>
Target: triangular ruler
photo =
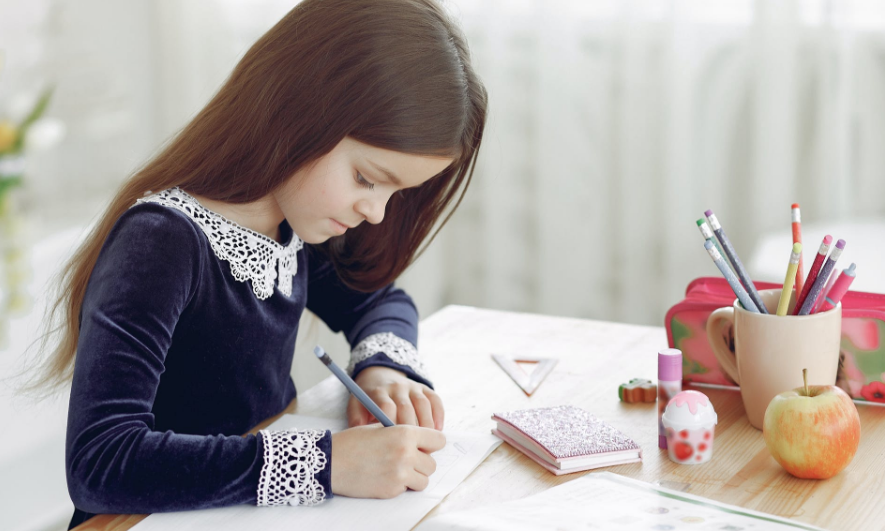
<point>527,371</point>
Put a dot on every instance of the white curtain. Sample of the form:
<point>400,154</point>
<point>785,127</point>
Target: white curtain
<point>614,124</point>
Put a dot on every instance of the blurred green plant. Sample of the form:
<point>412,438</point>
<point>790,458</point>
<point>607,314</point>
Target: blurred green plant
<point>12,143</point>
<point>14,266</point>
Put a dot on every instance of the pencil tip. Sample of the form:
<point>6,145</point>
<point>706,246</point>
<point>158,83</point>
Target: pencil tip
<point>708,213</point>
<point>321,354</point>
<point>840,244</point>
<point>794,205</point>
<point>700,222</point>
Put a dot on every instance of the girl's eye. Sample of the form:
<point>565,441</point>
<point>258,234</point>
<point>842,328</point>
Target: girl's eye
<point>363,182</point>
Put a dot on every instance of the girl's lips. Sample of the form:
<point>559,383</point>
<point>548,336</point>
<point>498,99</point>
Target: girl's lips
<point>339,227</point>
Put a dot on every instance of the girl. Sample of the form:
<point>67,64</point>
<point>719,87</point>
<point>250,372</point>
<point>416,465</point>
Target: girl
<point>182,306</point>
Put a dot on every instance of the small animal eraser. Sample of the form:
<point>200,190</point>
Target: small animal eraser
<point>638,390</point>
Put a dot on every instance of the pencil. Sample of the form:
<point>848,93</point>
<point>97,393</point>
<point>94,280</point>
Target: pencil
<point>834,276</point>
<point>784,301</point>
<point>822,277</point>
<point>707,233</point>
<point>797,238</point>
<point>739,290</point>
<point>839,288</point>
<point>355,390</point>
<point>813,272</point>
<point>735,261</point>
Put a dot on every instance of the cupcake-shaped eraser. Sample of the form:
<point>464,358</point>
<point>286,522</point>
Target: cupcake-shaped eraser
<point>689,421</point>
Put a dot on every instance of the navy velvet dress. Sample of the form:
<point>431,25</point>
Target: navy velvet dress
<point>187,333</point>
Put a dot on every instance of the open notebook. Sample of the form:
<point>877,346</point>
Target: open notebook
<point>463,452</point>
<point>606,501</point>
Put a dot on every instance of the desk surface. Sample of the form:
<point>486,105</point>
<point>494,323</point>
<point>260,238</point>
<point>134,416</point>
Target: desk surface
<point>594,358</point>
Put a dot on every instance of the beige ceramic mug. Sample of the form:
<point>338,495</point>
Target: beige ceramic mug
<point>770,351</point>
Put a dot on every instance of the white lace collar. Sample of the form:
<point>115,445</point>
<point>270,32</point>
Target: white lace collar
<point>252,256</point>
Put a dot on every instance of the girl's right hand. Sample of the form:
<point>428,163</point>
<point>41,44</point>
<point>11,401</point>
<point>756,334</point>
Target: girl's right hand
<point>377,462</point>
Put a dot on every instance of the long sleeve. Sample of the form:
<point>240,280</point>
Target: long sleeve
<point>145,279</point>
<point>381,326</point>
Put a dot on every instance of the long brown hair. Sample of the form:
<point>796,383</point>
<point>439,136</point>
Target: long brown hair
<point>395,74</point>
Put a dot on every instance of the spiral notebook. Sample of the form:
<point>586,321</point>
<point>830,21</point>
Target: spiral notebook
<point>565,439</point>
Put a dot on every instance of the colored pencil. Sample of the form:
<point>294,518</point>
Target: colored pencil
<point>784,301</point>
<point>823,293</point>
<point>797,238</point>
<point>739,290</point>
<point>839,288</point>
<point>822,278</point>
<point>813,272</point>
<point>735,261</point>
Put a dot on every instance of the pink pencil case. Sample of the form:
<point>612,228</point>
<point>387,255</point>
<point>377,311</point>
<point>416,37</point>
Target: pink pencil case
<point>862,358</point>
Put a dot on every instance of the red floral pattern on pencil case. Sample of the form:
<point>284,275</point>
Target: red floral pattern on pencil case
<point>862,365</point>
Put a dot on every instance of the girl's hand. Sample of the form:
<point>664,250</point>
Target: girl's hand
<point>376,462</point>
<point>405,401</point>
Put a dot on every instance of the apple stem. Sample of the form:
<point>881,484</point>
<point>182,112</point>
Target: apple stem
<point>805,380</point>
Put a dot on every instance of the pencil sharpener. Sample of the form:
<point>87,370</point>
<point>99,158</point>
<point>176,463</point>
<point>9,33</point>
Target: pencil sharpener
<point>690,422</point>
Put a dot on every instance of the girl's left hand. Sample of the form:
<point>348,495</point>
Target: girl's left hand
<point>405,401</point>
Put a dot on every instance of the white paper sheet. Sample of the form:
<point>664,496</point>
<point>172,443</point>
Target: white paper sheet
<point>463,453</point>
<point>608,501</point>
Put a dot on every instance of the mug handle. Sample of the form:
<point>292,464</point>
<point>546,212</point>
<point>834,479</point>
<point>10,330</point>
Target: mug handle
<point>716,324</point>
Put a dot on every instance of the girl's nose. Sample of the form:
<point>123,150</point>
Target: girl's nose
<point>372,210</point>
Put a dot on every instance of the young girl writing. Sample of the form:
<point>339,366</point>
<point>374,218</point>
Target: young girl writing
<point>309,181</point>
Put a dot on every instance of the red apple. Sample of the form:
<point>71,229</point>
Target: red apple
<point>812,431</point>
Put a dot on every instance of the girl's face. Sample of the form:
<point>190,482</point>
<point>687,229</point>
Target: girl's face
<point>349,185</point>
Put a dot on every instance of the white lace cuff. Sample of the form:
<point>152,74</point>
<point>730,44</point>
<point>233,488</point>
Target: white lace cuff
<point>396,348</point>
<point>292,460</point>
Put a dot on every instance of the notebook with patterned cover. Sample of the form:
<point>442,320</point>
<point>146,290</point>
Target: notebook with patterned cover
<point>565,439</point>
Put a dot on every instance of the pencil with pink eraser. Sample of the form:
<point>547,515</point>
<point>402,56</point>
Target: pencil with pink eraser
<point>822,277</point>
<point>812,273</point>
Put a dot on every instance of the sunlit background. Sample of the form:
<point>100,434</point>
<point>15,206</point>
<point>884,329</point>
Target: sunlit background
<point>614,125</point>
